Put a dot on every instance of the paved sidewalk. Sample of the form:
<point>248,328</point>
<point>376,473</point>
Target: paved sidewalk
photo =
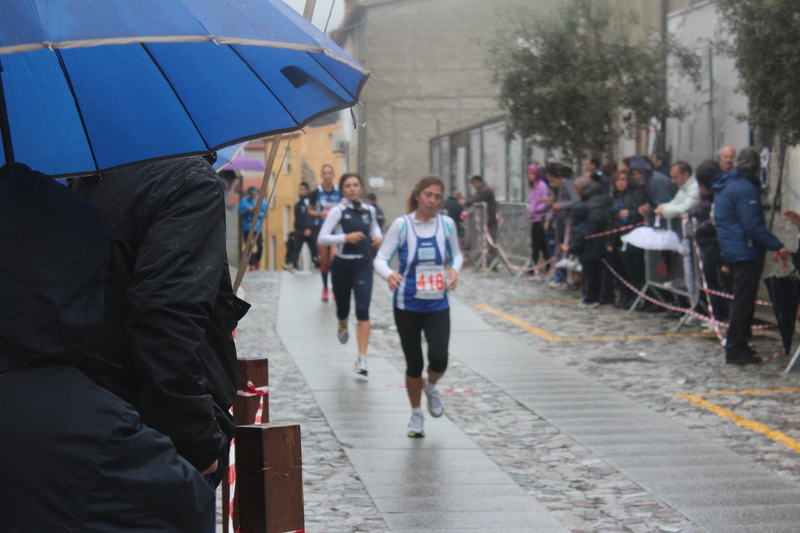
<point>538,435</point>
<point>443,482</point>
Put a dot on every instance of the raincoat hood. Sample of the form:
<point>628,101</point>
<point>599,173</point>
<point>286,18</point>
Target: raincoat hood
<point>55,252</point>
<point>641,163</point>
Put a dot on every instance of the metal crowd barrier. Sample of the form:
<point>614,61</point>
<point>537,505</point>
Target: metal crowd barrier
<point>669,272</point>
<point>513,238</point>
<point>475,245</point>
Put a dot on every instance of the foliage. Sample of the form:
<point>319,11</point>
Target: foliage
<point>567,75</point>
<point>766,47</point>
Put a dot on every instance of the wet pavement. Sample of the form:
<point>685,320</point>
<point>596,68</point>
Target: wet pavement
<point>557,418</point>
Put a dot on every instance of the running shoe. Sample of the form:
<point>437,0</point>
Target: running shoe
<point>342,334</point>
<point>415,426</point>
<point>288,267</point>
<point>360,367</point>
<point>435,403</point>
<point>325,294</point>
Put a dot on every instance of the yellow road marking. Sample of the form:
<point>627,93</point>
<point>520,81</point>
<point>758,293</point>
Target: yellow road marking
<point>524,325</point>
<point>739,420</point>
<point>542,334</point>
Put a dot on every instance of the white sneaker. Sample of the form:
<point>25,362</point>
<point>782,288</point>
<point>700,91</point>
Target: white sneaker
<point>342,334</point>
<point>415,426</point>
<point>435,403</point>
<point>360,367</point>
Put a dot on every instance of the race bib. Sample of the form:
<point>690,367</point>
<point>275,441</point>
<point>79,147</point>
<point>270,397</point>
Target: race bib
<point>430,282</point>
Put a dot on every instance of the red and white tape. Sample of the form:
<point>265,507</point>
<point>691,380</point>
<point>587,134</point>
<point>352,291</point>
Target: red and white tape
<point>611,232</point>
<point>705,287</point>
<point>689,312</point>
<point>250,390</point>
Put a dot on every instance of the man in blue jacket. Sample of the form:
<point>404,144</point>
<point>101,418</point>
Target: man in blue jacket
<point>743,241</point>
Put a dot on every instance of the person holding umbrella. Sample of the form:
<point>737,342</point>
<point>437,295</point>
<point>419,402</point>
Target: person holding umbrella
<point>74,456</point>
<point>170,308</point>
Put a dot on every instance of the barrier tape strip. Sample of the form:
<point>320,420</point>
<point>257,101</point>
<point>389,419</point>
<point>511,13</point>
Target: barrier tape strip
<point>689,312</point>
<point>488,240</point>
<point>250,390</point>
<point>611,232</point>
<point>730,296</point>
<point>231,479</point>
<point>705,287</point>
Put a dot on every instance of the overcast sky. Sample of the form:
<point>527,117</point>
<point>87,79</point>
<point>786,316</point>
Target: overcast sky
<point>321,11</point>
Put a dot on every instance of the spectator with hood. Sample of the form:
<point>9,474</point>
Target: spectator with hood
<point>626,200</point>
<point>743,242</point>
<point>170,310</point>
<point>659,187</point>
<point>74,457</point>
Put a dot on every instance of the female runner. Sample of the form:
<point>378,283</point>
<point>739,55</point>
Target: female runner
<point>352,227</point>
<point>423,241</point>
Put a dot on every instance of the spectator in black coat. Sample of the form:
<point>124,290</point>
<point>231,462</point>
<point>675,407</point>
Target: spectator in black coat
<point>170,309</point>
<point>628,261</point>
<point>706,236</point>
<point>454,209</point>
<point>589,217</point>
<point>74,457</point>
<point>303,230</point>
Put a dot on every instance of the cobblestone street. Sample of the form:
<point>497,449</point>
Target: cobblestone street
<point>587,478</point>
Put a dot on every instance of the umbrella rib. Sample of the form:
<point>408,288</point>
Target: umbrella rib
<point>257,75</point>
<point>77,107</point>
<point>333,77</point>
<point>172,88</point>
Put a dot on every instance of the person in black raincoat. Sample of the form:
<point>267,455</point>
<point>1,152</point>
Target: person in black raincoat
<point>628,261</point>
<point>73,456</point>
<point>170,309</point>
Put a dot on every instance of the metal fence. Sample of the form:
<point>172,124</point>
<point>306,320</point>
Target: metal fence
<point>513,238</point>
<point>475,245</point>
<point>669,274</point>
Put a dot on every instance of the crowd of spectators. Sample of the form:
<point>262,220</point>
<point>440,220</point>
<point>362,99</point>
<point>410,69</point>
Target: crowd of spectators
<point>723,198</point>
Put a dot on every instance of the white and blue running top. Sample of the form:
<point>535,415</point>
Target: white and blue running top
<point>326,200</point>
<point>426,250</point>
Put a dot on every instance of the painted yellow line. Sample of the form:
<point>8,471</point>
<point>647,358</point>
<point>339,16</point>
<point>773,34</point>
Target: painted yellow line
<point>755,391</point>
<point>524,325</point>
<point>542,334</point>
<point>739,420</point>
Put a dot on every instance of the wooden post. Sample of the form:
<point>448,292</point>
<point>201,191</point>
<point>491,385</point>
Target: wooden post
<point>269,475</point>
<point>244,410</point>
<point>245,407</point>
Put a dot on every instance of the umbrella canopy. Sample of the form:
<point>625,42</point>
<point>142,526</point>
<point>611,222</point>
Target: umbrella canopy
<point>649,238</point>
<point>90,86</point>
<point>784,292</point>
<point>242,162</point>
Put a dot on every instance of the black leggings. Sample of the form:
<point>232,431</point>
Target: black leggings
<point>436,326</point>
<point>352,275</point>
<point>538,242</point>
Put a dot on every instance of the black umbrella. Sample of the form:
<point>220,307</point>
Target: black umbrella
<point>785,295</point>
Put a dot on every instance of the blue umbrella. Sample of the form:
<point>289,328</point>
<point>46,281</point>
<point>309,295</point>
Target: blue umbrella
<point>88,85</point>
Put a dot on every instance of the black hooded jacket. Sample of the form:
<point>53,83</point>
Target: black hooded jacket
<point>170,310</point>
<point>73,456</point>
